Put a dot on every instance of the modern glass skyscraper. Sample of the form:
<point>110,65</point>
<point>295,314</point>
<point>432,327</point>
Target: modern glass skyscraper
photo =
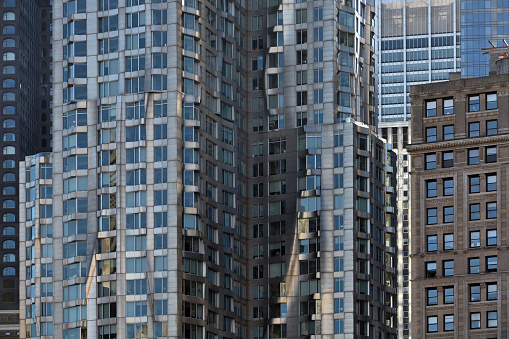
<point>215,174</point>
<point>481,22</point>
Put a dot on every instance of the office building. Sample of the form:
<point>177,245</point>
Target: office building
<point>459,208</point>
<point>26,100</point>
<point>215,173</point>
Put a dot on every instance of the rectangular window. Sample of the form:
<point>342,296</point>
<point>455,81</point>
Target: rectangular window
<point>491,237</point>
<point>491,291</point>
<point>491,210</point>
<point>447,159</point>
<point>432,216</point>
<point>448,214</point>
<point>491,182</point>
<point>475,212</point>
<point>491,264</point>
<point>492,319</point>
<point>432,296</point>
<point>473,265</point>
<point>431,161</point>
<point>473,103</point>
<point>475,293</point>
<point>448,268</point>
<point>491,102</point>
<point>432,243</point>
<point>431,134</point>
<point>449,295</point>
<point>475,239</point>
<point>491,154</point>
<point>491,127</point>
<point>431,186</point>
<point>473,129</point>
<point>474,184</point>
<point>432,324</point>
<point>449,322</point>
<point>431,108</point>
<point>448,241</point>
<point>448,106</point>
<point>473,156</point>
<point>431,269</point>
<point>449,132</point>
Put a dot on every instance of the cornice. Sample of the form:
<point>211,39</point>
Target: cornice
<point>496,139</point>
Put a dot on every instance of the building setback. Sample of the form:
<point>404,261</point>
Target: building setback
<point>459,157</point>
<point>215,173</point>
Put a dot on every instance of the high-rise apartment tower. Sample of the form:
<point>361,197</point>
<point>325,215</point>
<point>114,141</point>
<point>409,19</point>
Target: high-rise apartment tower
<point>215,174</point>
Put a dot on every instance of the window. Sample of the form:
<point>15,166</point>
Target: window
<point>448,106</point>
<point>449,295</point>
<point>473,129</point>
<point>449,132</point>
<point>432,216</point>
<point>448,268</point>
<point>431,186</point>
<point>431,269</point>
<point>431,134</point>
<point>432,243</point>
<point>475,212</point>
<point>491,210</point>
<point>475,320</point>
<point>491,127</point>
<point>492,319</point>
<point>475,239</point>
<point>431,160</point>
<point>491,154</point>
<point>432,324</point>
<point>473,265</point>
<point>449,322</point>
<point>475,184</point>
<point>447,159</point>
<point>431,109</point>
<point>475,292</point>
<point>491,237</point>
<point>491,264</point>
<point>432,294</point>
<point>491,102</point>
<point>491,291</point>
<point>491,182</point>
<point>448,214</point>
<point>473,103</point>
<point>473,156</point>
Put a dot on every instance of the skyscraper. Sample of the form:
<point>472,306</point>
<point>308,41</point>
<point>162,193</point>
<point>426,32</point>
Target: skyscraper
<point>25,109</point>
<point>215,173</point>
<point>459,208</point>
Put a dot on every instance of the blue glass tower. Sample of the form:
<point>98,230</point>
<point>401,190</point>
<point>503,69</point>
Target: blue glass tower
<point>482,21</point>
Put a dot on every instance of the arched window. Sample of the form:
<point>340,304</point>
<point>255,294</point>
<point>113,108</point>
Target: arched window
<point>9,230</point>
<point>8,109</point>
<point>9,70</point>
<point>9,150</point>
<point>9,257</point>
<point>9,270</point>
<point>8,244</point>
<point>9,16</point>
<point>8,29</point>
<point>9,163</point>
<point>9,96</point>
<point>8,190</point>
<point>9,56</point>
<point>9,43</point>
<point>9,203</point>
<point>9,123</point>
<point>9,217</point>
<point>8,298</point>
<point>9,177</point>
<point>9,83</point>
<point>9,284</point>
<point>9,3</point>
<point>9,137</point>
